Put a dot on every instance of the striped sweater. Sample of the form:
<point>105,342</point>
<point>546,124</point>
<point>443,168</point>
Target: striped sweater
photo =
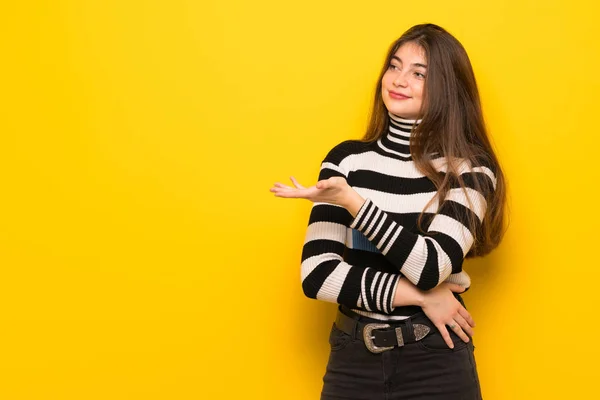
<point>358,261</point>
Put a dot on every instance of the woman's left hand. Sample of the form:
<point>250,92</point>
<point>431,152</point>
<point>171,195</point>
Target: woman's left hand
<point>442,308</point>
<point>334,190</point>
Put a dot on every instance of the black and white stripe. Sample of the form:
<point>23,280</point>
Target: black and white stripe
<point>358,261</point>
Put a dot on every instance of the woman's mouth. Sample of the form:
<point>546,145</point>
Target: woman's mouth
<point>397,96</point>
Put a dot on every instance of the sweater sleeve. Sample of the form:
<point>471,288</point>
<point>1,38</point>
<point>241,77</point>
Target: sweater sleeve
<point>325,275</point>
<point>429,259</point>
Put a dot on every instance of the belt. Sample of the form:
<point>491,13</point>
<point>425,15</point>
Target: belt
<point>379,337</point>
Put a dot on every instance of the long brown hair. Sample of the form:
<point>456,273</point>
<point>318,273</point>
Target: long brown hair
<point>452,126</point>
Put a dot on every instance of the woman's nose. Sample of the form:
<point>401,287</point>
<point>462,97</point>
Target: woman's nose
<point>400,80</point>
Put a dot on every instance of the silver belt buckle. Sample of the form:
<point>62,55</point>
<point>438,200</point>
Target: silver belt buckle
<point>420,331</point>
<point>368,338</point>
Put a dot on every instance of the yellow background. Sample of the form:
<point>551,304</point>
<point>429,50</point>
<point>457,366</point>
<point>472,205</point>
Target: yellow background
<point>141,253</point>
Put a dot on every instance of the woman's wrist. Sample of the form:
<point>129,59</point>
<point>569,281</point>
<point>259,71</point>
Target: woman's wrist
<point>353,201</point>
<point>408,294</point>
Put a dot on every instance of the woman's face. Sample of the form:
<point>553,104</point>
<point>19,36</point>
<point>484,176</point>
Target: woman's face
<point>403,83</point>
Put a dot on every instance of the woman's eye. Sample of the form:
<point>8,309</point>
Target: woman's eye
<point>419,75</point>
<point>392,66</point>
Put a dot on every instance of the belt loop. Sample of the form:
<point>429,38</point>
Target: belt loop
<point>355,322</point>
<point>409,331</point>
<point>348,313</point>
<point>355,330</point>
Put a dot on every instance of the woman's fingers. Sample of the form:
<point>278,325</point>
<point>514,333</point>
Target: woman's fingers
<point>445,335</point>
<point>463,328</point>
<point>458,330</point>
<point>278,187</point>
<point>465,314</point>
<point>455,288</point>
<point>300,192</point>
<point>326,191</point>
<point>289,192</point>
<point>296,183</point>
<point>333,182</point>
<point>323,184</point>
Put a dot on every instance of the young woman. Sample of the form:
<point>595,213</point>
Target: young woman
<point>393,218</point>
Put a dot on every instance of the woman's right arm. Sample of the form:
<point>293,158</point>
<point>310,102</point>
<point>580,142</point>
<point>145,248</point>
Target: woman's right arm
<point>325,274</point>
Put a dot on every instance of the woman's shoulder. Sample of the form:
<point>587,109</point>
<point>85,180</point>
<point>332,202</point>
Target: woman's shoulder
<point>463,165</point>
<point>345,149</point>
<point>477,168</point>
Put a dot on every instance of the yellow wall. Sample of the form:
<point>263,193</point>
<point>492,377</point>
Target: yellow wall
<point>141,253</point>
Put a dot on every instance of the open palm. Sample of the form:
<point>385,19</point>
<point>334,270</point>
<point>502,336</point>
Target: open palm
<point>332,190</point>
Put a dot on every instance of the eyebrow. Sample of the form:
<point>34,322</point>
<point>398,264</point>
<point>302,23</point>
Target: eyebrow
<point>415,64</point>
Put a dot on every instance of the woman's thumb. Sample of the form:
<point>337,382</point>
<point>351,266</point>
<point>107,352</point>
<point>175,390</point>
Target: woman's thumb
<point>456,288</point>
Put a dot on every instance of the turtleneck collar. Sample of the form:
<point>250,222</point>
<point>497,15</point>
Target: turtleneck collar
<point>397,138</point>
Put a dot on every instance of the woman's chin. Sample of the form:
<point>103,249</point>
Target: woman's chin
<point>403,114</point>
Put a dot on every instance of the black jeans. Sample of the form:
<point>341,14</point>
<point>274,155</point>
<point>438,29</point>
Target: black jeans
<point>425,370</point>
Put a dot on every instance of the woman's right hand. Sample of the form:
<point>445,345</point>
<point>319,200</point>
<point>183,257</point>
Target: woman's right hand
<point>442,308</point>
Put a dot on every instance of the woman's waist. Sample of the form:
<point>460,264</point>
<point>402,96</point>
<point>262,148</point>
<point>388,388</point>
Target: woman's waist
<point>399,314</point>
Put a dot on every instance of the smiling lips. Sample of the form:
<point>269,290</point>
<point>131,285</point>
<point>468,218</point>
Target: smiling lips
<point>398,96</point>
